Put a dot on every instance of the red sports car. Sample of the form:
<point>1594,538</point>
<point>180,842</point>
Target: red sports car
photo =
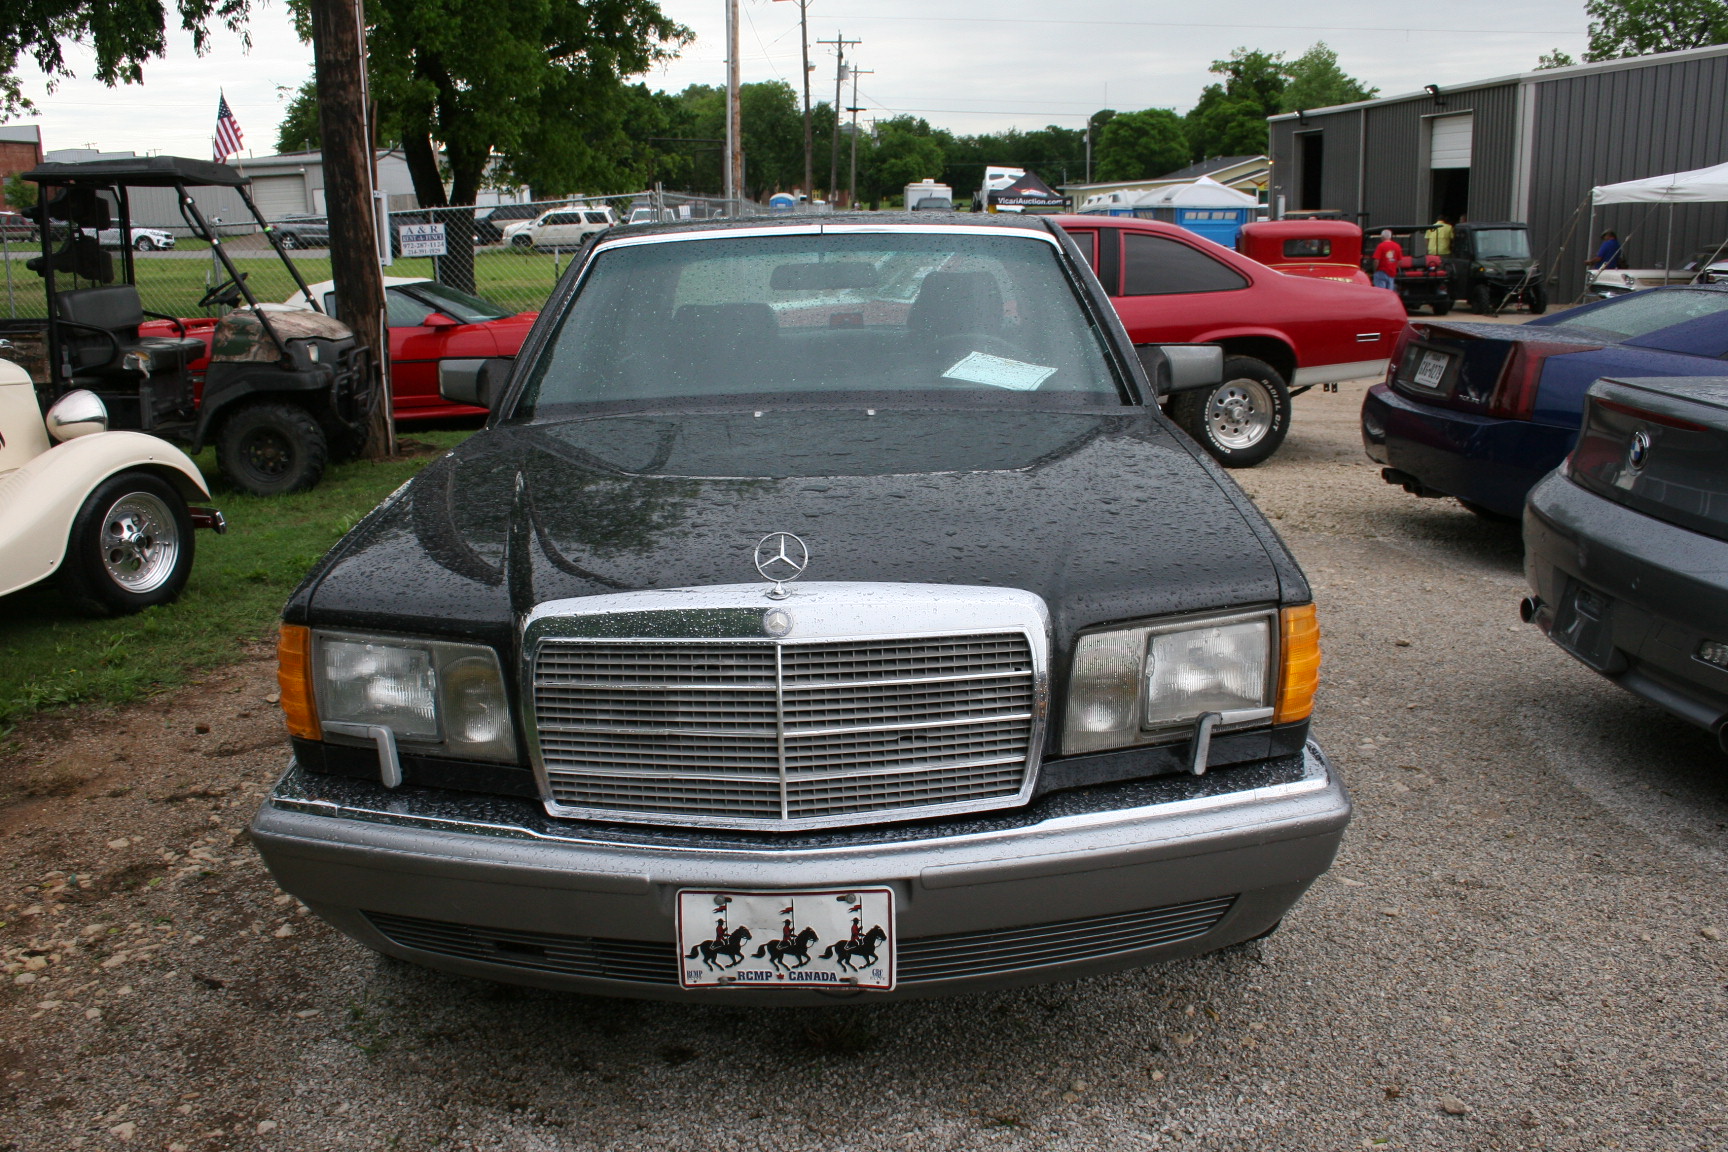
<point>429,323</point>
<point>1281,335</point>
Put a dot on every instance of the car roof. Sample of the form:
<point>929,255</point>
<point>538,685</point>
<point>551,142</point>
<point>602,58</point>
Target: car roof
<point>909,221</point>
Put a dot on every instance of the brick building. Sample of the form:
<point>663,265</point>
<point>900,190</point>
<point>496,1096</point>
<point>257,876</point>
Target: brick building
<point>20,151</point>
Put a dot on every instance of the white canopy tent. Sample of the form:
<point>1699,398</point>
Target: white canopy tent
<point>1699,186</point>
<point>1203,192</point>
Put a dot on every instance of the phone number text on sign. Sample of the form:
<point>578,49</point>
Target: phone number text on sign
<point>421,239</point>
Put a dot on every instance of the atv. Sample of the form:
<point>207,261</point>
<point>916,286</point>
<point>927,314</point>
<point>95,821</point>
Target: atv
<point>277,392</point>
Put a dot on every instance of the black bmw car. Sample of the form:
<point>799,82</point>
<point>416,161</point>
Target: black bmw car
<point>826,609</point>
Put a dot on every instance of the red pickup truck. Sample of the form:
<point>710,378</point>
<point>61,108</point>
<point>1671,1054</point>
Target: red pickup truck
<point>1281,335</point>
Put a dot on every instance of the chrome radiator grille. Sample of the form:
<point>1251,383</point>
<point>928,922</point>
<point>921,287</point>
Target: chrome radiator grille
<point>765,733</point>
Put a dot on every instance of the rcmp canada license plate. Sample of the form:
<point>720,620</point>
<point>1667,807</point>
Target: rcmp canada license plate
<point>1432,368</point>
<point>842,938</point>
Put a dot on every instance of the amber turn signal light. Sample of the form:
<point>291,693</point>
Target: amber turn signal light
<point>294,676</point>
<point>1298,660</point>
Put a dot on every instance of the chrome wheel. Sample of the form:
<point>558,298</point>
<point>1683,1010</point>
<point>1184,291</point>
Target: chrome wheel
<point>140,542</point>
<point>1239,413</point>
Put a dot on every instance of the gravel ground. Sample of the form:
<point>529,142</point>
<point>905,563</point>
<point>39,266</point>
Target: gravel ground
<point>1520,947</point>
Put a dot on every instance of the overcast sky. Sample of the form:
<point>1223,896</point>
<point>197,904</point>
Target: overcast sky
<point>1005,64</point>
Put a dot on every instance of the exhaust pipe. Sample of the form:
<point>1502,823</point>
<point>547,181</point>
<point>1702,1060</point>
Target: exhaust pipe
<point>1528,607</point>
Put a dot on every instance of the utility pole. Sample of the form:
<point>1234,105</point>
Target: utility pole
<point>840,42</point>
<point>809,138</point>
<point>852,197</point>
<point>734,126</point>
<point>339,66</point>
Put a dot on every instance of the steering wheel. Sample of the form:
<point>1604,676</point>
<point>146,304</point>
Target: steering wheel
<point>226,293</point>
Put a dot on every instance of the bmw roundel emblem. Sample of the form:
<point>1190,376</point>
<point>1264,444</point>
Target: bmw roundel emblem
<point>1638,450</point>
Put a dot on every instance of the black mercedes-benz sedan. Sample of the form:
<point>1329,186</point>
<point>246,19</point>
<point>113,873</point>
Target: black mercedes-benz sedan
<point>1626,544</point>
<point>825,610</point>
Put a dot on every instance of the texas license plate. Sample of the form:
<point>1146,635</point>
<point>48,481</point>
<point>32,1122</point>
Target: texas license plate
<point>1432,368</point>
<point>843,938</point>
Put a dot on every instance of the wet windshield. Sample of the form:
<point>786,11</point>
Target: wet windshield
<point>454,303</point>
<point>965,311</point>
<point>1502,244</point>
<point>1639,313</point>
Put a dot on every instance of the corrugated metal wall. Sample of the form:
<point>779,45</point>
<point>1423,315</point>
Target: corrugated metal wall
<point>1394,185</point>
<point>1625,125</point>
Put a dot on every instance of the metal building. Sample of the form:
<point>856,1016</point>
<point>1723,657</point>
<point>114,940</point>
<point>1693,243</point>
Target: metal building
<point>1524,148</point>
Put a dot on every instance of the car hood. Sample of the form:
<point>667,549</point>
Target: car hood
<point>1107,516</point>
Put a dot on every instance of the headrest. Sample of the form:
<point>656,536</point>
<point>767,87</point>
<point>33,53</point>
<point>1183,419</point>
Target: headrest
<point>80,207</point>
<point>81,256</point>
<point>950,302</point>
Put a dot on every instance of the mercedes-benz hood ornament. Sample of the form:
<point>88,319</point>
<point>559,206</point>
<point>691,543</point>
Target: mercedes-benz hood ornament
<point>781,558</point>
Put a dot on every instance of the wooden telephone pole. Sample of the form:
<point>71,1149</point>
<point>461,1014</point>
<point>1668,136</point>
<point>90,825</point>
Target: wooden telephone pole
<point>840,42</point>
<point>339,66</point>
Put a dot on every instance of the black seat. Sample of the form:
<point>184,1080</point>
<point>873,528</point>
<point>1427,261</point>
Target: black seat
<point>956,304</point>
<point>115,309</point>
<point>735,344</point>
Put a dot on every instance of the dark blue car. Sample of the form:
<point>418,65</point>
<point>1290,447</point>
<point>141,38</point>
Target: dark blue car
<point>1481,412</point>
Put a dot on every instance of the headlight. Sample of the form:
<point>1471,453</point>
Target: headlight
<point>1141,684</point>
<point>433,695</point>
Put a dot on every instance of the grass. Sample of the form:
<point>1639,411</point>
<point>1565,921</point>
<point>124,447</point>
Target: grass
<point>518,279</point>
<point>55,657</point>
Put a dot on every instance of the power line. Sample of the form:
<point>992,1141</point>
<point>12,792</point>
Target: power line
<point>1199,24</point>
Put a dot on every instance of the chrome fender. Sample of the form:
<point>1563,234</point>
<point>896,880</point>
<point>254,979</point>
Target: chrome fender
<point>39,501</point>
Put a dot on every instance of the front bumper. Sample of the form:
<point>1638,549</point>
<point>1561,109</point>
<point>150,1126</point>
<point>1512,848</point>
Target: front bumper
<point>1082,882</point>
<point>1652,593</point>
<point>1486,460</point>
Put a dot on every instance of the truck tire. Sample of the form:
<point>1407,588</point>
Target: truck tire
<point>271,449</point>
<point>1536,299</point>
<point>1241,421</point>
<point>1481,300</point>
<point>1441,307</point>
<point>130,547</point>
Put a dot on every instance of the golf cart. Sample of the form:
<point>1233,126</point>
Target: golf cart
<point>282,392</point>
<point>1421,278</point>
<point>1492,268</point>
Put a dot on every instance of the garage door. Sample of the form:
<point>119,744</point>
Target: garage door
<point>279,195</point>
<point>1450,144</point>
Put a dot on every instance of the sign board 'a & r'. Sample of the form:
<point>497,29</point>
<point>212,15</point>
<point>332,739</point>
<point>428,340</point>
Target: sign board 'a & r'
<point>421,239</point>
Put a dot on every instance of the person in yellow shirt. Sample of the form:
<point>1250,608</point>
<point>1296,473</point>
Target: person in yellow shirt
<point>1439,238</point>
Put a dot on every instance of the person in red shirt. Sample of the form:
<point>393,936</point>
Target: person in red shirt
<point>1386,257</point>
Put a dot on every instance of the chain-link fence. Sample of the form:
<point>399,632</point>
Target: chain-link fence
<point>513,254</point>
<point>509,254</point>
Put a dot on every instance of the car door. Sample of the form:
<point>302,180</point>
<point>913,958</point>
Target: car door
<point>560,230</point>
<point>1169,289</point>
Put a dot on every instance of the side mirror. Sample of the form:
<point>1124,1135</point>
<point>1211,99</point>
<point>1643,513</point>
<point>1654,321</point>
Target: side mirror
<point>439,320</point>
<point>475,382</point>
<point>1182,367</point>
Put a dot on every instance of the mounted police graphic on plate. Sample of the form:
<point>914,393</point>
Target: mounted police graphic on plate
<point>775,939</point>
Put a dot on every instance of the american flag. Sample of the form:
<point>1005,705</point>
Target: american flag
<point>228,138</point>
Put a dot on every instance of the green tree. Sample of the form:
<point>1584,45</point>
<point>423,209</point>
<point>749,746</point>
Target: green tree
<point>1314,80</point>
<point>537,83</point>
<point>1229,119</point>
<point>121,34</point>
<point>1136,145</point>
<point>1555,59</point>
<point>901,151</point>
<point>1638,27</point>
<point>298,131</point>
<point>19,193</point>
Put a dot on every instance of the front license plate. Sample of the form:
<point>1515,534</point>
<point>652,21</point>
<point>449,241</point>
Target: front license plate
<point>843,938</point>
<point>1432,368</point>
